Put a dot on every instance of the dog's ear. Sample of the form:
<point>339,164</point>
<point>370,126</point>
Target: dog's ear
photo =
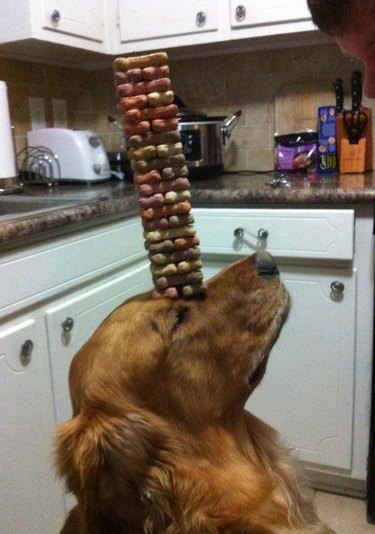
<point>104,457</point>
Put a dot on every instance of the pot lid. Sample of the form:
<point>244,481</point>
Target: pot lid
<point>198,118</point>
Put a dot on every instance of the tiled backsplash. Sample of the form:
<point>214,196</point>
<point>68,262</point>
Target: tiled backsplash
<point>265,85</point>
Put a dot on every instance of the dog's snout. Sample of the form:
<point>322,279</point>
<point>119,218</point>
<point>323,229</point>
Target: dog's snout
<point>265,264</point>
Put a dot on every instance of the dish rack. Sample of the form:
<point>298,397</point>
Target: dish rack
<point>39,165</point>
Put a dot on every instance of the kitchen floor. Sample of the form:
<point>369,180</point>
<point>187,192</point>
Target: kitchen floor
<point>344,514</point>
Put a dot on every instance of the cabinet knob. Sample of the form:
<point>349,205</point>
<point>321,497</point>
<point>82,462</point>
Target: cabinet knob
<point>240,13</point>
<point>200,19</point>
<point>55,16</point>
<point>262,233</point>
<point>337,287</point>
<point>239,233</point>
<point>26,350</point>
<point>68,324</point>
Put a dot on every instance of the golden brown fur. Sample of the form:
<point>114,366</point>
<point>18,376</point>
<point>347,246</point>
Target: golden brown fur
<point>160,442</point>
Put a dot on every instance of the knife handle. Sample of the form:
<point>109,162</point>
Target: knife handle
<point>356,87</point>
<point>339,93</point>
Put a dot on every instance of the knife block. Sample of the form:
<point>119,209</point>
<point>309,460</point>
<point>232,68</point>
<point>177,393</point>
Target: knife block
<point>352,157</point>
<point>345,153</point>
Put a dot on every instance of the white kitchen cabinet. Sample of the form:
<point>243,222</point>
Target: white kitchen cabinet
<point>316,390</point>
<point>263,20</point>
<point>308,392</point>
<point>146,25</point>
<point>55,295</point>
<point>82,19</point>
<point>267,12</point>
<point>147,19</point>
<point>89,32</point>
<point>34,28</point>
<point>31,501</point>
<point>71,321</point>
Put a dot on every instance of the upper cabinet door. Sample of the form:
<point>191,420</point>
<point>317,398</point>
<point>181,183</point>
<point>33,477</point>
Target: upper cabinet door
<point>267,12</point>
<point>83,18</point>
<point>147,19</point>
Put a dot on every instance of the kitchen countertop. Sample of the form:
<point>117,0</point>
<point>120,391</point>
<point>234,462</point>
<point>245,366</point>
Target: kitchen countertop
<point>111,200</point>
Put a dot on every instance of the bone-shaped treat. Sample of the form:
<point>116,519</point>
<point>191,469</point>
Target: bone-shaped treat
<point>150,60</point>
<point>160,258</point>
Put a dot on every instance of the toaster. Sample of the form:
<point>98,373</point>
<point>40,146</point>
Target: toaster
<point>75,154</point>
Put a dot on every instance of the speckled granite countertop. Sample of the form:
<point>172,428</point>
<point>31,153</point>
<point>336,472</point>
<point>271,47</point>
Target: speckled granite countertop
<point>113,200</point>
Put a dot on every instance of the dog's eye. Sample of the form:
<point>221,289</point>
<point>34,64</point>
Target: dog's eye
<point>181,315</point>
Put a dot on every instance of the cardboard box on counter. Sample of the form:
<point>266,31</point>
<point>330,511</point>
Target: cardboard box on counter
<point>327,139</point>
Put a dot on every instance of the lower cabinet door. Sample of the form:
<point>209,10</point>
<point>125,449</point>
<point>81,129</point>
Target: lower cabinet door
<point>71,322</point>
<point>307,393</point>
<point>31,499</point>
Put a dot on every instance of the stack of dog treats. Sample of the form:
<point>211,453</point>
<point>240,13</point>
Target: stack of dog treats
<point>149,116</point>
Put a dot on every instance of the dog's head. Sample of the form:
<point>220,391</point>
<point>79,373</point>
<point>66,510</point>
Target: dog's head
<point>196,359</point>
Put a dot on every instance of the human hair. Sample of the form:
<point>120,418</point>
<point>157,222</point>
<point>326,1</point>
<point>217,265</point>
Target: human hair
<point>330,15</point>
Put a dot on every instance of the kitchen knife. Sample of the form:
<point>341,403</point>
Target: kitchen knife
<point>339,93</point>
<point>356,90</point>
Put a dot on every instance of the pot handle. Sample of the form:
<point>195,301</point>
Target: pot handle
<point>229,124</point>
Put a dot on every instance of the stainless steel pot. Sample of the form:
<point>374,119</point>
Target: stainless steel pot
<point>203,139</point>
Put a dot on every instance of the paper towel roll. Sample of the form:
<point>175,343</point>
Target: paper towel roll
<point>7,155</point>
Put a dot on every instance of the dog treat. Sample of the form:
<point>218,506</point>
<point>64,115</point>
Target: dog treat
<point>157,59</point>
<point>166,211</point>
<point>153,73</point>
<point>176,256</point>
<point>137,141</point>
<point>163,282</point>
<point>162,246</point>
<point>170,292</point>
<point>145,100</point>
<point>160,99</point>
<point>150,177</point>
<point>140,128</point>
<point>131,102</point>
<point>176,184</point>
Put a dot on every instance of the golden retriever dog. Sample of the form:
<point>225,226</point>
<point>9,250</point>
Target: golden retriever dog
<point>159,442</point>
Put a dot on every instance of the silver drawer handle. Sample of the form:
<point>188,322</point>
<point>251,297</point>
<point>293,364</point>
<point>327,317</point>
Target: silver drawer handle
<point>262,233</point>
<point>68,324</point>
<point>26,350</point>
<point>240,13</point>
<point>239,233</point>
<point>337,287</point>
<point>55,16</point>
<point>200,19</point>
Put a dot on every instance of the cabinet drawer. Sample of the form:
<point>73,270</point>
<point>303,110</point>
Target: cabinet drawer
<point>257,12</point>
<point>289,233</point>
<point>83,19</point>
<point>62,263</point>
<point>143,19</point>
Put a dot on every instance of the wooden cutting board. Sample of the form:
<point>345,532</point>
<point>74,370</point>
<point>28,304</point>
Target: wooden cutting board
<point>296,106</point>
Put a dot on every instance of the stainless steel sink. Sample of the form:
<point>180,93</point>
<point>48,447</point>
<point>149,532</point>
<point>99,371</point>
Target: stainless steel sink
<point>17,207</point>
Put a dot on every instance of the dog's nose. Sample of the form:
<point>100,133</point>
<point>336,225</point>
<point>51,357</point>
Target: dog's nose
<point>265,264</point>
